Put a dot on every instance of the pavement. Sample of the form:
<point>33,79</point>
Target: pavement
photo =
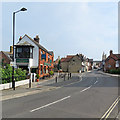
<point>36,87</point>
<point>24,90</point>
<point>90,95</point>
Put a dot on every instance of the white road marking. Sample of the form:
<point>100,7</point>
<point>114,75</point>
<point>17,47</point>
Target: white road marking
<point>95,82</point>
<point>86,89</point>
<point>72,83</point>
<point>50,104</point>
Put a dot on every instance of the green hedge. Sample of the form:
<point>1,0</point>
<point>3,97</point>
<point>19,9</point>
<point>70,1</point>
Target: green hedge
<point>6,74</point>
<point>114,71</point>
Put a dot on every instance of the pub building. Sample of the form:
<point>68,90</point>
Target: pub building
<point>32,56</point>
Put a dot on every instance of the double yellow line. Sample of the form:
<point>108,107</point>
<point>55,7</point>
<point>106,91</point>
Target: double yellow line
<point>108,112</point>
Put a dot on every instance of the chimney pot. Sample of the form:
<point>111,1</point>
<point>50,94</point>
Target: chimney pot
<point>20,38</point>
<point>111,52</point>
<point>37,38</point>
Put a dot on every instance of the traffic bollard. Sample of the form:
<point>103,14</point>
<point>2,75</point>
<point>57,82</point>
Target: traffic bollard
<point>29,83</point>
<point>56,79</point>
<point>64,77</point>
<point>68,76</point>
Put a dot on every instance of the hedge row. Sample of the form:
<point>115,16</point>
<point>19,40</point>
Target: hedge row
<point>114,71</point>
<point>6,74</point>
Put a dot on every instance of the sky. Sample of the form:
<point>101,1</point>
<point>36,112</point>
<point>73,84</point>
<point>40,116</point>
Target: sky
<point>67,28</point>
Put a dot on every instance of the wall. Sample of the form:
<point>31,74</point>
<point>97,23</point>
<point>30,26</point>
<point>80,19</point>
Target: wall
<point>64,66</point>
<point>9,85</point>
<point>75,64</point>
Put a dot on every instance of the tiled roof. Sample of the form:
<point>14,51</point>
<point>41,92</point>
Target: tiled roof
<point>67,59</point>
<point>117,55</point>
<point>8,54</point>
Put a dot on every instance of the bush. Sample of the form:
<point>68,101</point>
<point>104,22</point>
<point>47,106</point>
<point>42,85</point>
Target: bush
<point>114,71</point>
<point>6,74</point>
<point>51,72</point>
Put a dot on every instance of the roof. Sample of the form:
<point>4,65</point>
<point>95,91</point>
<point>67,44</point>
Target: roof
<point>7,54</point>
<point>51,52</point>
<point>40,46</point>
<point>67,59</point>
<point>24,44</point>
<point>114,58</point>
<point>117,55</point>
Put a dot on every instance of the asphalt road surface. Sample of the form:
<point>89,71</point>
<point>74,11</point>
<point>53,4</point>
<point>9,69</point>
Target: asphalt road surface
<point>92,95</point>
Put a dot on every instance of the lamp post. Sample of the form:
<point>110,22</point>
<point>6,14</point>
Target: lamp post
<point>13,81</point>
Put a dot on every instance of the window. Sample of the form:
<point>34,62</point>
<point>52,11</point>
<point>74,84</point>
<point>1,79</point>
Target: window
<point>24,52</point>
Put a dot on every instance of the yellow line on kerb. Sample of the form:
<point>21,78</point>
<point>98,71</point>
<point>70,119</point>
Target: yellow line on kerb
<point>107,113</point>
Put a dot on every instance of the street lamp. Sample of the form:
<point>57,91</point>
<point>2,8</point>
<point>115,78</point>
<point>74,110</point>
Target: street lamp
<point>13,81</point>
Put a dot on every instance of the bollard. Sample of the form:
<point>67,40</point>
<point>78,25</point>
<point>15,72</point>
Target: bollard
<point>64,77</point>
<point>30,83</point>
<point>56,79</point>
<point>68,76</point>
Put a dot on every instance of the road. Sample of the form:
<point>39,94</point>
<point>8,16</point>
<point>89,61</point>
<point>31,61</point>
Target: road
<point>88,96</point>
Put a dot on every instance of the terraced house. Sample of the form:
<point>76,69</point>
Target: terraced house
<point>32,56</point>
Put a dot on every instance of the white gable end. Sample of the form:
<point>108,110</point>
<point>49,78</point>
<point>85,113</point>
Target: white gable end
<point>34,61</point>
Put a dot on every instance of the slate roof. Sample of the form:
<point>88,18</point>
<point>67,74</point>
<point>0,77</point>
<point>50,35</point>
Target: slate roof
<point>40,46</point>
<point>8,54</point>
<point>24,44</point>
<point>117,55</point>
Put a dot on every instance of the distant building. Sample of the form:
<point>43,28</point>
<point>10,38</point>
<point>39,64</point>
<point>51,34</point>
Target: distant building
<point>76,63</point>
<point>96,64</point>
<point>32,56</point>
<point>6,57</point>
<point>112,61</point>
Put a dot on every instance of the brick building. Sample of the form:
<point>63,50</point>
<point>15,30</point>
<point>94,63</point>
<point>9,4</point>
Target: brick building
<point>6,57</point>
<point>30,55</point>
<point>112,61</point>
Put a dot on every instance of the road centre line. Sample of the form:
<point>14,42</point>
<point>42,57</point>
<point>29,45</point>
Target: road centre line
<point>95,82</point>
<point>50,104</point>
<point>107,113</point>
<point>86,88</point>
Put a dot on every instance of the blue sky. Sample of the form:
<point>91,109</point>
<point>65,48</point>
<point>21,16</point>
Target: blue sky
<point>66,28</point>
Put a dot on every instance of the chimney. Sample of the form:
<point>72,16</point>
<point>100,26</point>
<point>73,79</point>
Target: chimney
<point>20,38</point>
<point>37,38</point>
<point>11,49</point>
<point>111,52</point>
